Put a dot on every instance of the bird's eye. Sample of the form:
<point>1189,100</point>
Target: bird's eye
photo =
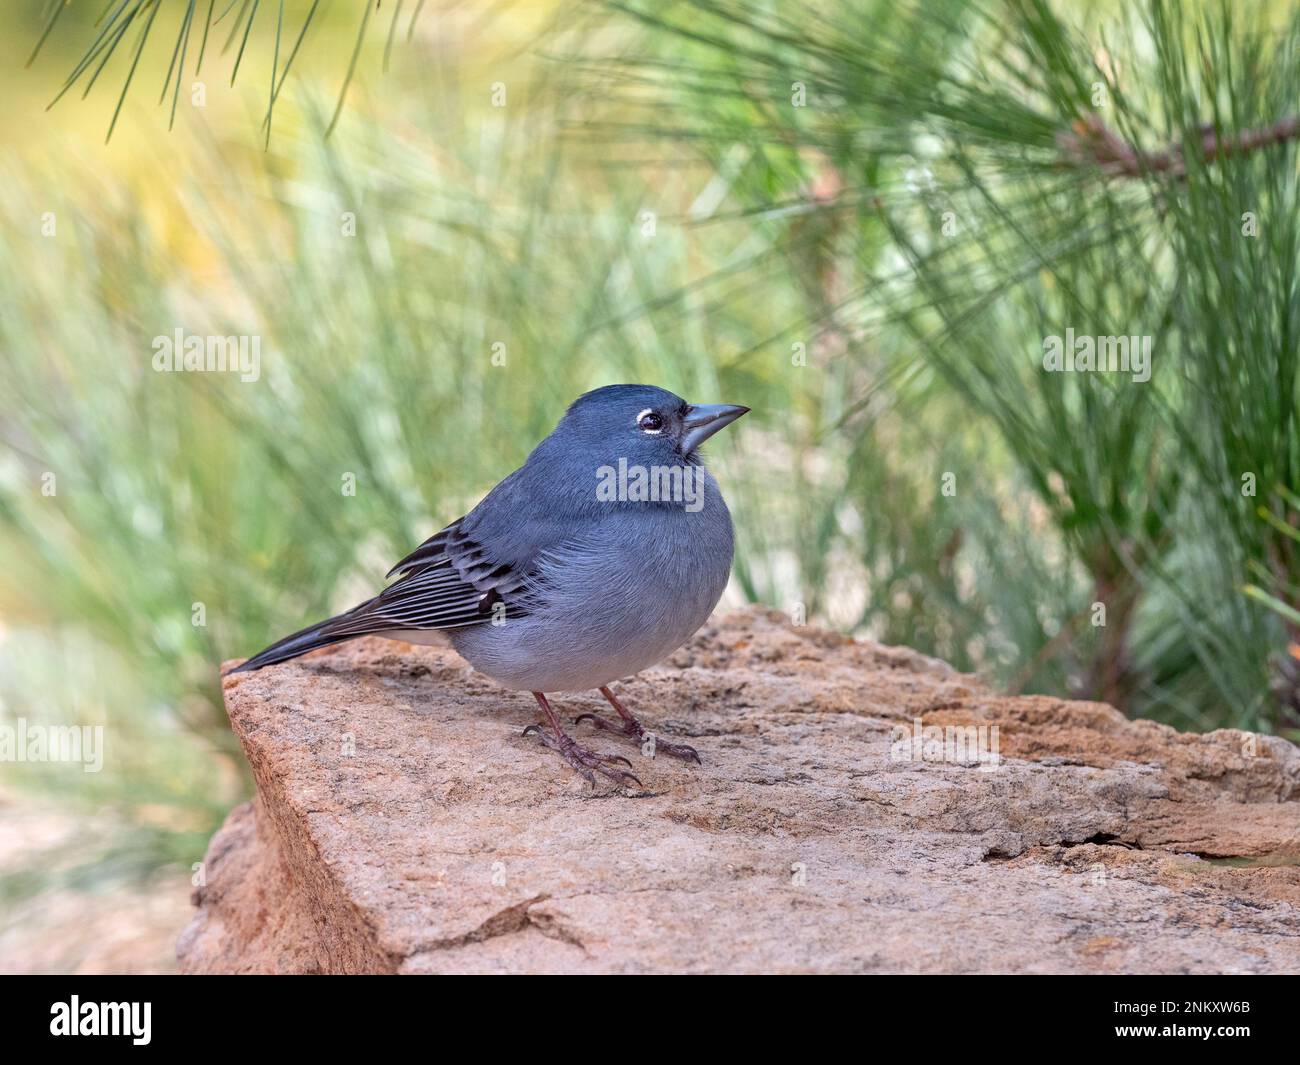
<point>650,422</point>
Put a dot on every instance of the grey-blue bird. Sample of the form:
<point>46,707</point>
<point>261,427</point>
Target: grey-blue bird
<point>598,557</point>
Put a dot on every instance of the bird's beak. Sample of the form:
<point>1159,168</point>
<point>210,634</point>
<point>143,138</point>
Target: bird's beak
<point>702,422</point>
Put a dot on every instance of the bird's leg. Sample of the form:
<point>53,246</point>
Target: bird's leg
<point>581,759</point>
<point>651,745</point>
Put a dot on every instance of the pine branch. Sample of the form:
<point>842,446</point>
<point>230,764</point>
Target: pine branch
<point>1091,142</point>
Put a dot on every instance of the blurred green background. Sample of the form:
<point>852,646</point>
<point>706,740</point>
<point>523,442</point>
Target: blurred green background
<point>859,218</point>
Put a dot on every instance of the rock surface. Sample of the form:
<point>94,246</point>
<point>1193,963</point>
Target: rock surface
<point>403,824</point>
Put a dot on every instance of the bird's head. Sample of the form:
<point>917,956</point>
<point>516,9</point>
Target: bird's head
<point>643,424</point>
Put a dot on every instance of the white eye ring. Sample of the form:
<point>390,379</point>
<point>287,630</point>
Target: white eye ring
<point>650,432</point>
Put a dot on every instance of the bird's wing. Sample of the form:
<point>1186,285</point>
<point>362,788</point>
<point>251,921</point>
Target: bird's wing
<point>460,574</point>
<point>449,580</point>
<point>431,550</point>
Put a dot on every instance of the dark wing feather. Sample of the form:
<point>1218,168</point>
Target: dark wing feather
<point>449,580</point>
<point>431,550</point>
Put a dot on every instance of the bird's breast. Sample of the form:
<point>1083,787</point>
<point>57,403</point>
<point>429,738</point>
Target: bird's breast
<point>624,593</point>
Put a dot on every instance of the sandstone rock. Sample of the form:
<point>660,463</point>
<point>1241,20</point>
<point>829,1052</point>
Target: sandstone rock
<point>403,824</point>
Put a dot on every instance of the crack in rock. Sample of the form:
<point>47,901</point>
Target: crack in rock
<point>506,922</point>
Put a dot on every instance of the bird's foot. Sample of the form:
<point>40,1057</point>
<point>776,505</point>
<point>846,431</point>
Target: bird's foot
<point>586,762</point>
<point>650,744</point>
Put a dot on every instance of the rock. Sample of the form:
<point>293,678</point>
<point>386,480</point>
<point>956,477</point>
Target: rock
<point>403,824</point>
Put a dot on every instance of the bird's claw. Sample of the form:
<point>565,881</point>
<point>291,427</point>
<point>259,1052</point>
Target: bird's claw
<point>633,728</point>
<point>684,751</point>
<point>586,762</point>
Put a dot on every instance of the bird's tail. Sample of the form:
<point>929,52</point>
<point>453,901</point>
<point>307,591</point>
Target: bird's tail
<point>308,639</point>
